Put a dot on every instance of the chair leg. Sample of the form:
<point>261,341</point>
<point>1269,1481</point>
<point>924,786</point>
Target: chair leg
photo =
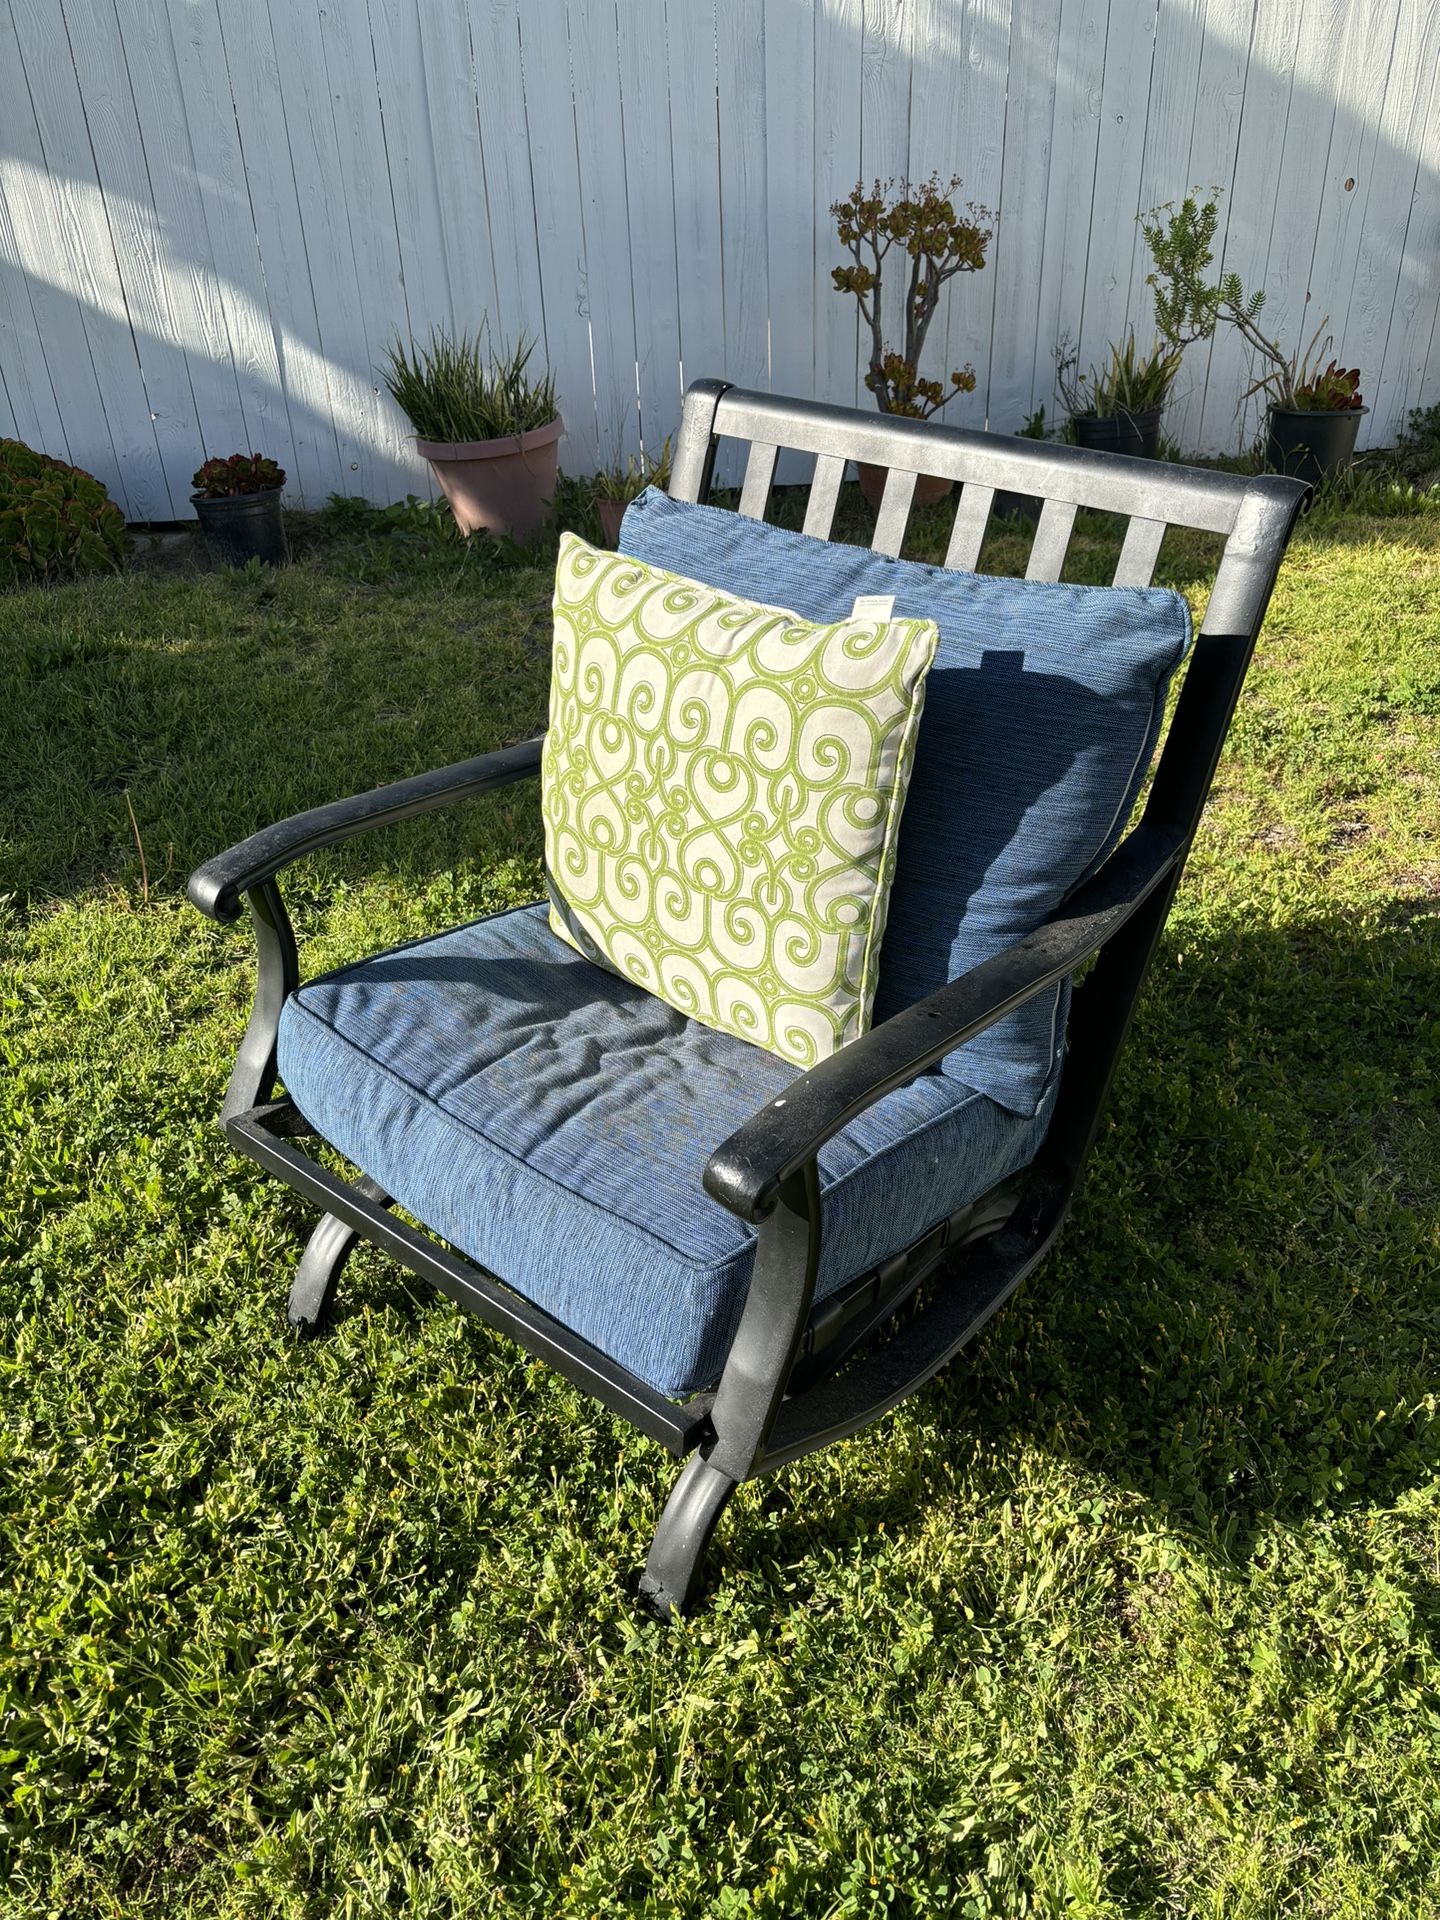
<point>326,1252</point>
<point>671,1579</point>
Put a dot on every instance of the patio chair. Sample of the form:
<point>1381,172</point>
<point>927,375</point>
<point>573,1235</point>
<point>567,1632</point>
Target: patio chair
<point>793,1371</point>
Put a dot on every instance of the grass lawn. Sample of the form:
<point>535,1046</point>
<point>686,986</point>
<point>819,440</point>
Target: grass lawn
<point>1133,1612</point>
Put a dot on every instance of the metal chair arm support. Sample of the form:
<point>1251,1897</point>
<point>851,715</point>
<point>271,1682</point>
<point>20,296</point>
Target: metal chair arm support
<point>747,1171</point>
<point>217,886</point>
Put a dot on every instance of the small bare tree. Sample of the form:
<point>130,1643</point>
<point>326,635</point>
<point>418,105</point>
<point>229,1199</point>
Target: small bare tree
<point>920,219</point>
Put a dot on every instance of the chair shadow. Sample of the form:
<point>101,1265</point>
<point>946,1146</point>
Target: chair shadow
<point>1241,1322</point>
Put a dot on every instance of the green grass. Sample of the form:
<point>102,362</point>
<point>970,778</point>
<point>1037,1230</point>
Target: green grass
<point>1134,1612</point>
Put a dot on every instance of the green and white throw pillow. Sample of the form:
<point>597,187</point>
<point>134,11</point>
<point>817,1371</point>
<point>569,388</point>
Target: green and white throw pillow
<point>722,784</point>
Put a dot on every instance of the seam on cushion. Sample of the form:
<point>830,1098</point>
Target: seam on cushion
<point>503,1153</point>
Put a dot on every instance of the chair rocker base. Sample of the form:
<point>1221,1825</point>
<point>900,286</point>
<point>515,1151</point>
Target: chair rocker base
<point>1005,1233</point>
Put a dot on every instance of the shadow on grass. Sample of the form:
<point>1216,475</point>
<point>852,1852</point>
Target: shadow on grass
<point>1241,1321</point>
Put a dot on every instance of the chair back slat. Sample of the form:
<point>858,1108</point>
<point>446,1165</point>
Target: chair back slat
<point>894,514</point>
<point>1052,537</point>
<point>967,536</point>
<point>1138,554</point>
<point>759,473</point>
<point>824,494</point>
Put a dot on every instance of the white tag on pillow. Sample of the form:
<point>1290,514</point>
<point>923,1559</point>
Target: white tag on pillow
<point>873,606</point>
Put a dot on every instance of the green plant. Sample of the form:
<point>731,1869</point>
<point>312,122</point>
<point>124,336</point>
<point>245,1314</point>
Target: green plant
<point>1336,389</point>
<point>1034,427</point>
<point>920,219</point>
<point>55,519</point>
<point>1128,382</point>
<point>458,388</point>
<point>1417,450</point>
<point>1181,243</point>
<point>242,473</point>
<point>1188,306</point>
<point>624,483</point>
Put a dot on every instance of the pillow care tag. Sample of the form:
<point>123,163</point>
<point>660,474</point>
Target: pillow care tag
<point>873,606</point>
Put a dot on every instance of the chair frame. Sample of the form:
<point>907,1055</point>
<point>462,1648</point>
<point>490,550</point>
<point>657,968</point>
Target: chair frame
<point>784,1392</point>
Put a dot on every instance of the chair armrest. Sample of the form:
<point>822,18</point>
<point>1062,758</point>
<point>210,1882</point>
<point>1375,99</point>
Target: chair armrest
<point>215,888</point>
<point>746,1173</point>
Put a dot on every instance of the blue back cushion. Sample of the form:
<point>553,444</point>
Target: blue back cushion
<point>1041,715</point>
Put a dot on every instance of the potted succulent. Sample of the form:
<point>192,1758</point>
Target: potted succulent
<point>1117,407</point>
<point>920,222</point>
<point>613,488</point>
<point>237,502</point>
<point>1315,412</point>
<point>488,426</point>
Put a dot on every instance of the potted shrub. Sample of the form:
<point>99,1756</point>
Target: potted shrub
<point>488,426</point>
<point>615,487</point>
<point>1117,407</point>
<point>237,502</point>
<point>917,222</point>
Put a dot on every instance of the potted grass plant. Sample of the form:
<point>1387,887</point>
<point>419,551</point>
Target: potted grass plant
<point>613,488</point>
<point>237,502</point>
<point>1117,406</point>
<point>489,427</point>
<point>915,222</point>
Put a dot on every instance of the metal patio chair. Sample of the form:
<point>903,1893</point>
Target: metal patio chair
<point>799,1375</point>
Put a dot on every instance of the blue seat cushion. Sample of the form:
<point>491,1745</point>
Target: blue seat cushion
<point>1041,715</point>
<point>552,1120</point>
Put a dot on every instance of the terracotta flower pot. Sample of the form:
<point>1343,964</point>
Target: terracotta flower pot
<point>928,488</point>
<point>611,513</point>
<point>504,486</point>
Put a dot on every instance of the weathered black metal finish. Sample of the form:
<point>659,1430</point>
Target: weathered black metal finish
<point>326,1251</point>
<point>674,1568</point>
<point>252,1079</point>
<point>785,1389</point>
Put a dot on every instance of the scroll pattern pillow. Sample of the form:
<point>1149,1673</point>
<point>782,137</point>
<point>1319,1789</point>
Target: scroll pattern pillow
<point>722,785</point>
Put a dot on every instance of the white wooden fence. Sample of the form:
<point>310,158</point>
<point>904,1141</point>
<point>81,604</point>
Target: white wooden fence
<point>213,213</point>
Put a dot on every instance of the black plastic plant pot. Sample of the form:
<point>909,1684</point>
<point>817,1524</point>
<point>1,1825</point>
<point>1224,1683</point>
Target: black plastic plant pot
<point>1137,434</point>
<point>240,527</point>
<point>1310,444</point>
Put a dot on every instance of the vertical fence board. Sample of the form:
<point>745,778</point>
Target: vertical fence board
<point>609,281</point>
<point>840,350</point>
<point>550,115</point>
<point>1017,252</point>
<point>328,462</point>
<point>795,227</point>
<point>1075,140</point>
